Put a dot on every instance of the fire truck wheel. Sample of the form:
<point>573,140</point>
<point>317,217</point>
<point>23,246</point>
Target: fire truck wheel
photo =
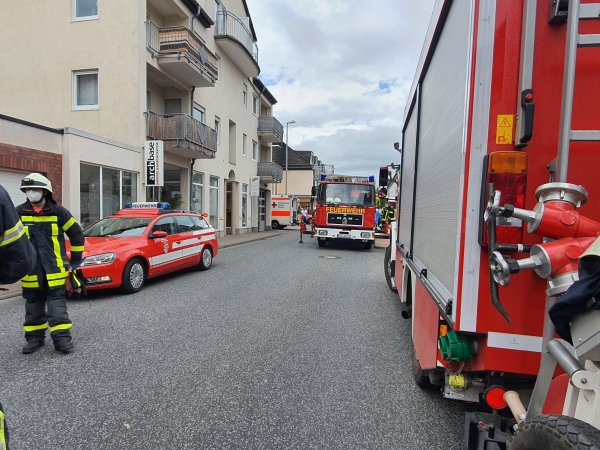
<point>556,433</point>
<point>134,276</point>
<point>321,242</point>
<point>275,225</point>
<point>387,268</point>
<point>421,376</point>
<point>205,258</point>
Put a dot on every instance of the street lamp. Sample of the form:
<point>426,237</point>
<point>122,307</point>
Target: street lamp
<point>287,124</point>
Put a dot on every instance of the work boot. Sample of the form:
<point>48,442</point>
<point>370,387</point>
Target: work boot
<point>33,346</point>
<point>64,346</point>
<point>63,342</point>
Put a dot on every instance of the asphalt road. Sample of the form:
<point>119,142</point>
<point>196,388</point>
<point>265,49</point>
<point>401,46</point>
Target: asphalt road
<point>279,345</point>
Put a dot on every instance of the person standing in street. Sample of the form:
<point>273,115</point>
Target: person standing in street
<point>17,258</point>
<point>46,222</point>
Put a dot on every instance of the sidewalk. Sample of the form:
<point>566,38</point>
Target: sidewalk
<point>14,290</point>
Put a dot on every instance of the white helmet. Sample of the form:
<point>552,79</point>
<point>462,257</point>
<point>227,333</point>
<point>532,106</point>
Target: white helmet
<point>36,181</point>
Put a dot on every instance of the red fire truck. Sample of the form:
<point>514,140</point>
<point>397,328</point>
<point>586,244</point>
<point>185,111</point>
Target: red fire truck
<point>499,175</point>
<point>345,209</point>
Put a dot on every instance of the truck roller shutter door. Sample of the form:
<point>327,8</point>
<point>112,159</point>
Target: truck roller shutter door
<point>442,142</point>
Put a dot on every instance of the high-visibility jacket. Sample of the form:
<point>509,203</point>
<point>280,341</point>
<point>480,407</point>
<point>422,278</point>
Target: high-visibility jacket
<point>17,256</point>
<point>46,231</point>
<point>388,214</point>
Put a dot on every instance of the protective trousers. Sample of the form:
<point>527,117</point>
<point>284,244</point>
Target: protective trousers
<point>43,307</point>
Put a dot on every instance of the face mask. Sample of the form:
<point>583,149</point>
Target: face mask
<point>33,196</point>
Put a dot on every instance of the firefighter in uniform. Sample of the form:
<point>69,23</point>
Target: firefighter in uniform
<point>17,257</point>
<point>45,222</point>
<point>388,215</point>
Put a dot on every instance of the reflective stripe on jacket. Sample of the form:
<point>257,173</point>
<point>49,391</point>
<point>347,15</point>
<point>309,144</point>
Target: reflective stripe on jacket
<point>46,231</point>
<point>17,256</point>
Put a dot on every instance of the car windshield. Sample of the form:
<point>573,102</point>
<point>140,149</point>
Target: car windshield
<point>118,227</point>
<point>346,194</point>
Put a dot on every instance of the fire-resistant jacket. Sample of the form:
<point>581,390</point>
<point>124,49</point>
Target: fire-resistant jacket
<point>17,255</point>
<point>45,230</point>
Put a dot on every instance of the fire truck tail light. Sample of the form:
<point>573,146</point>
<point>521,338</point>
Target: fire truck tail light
<point>494,397</point>
<point>508,172</point>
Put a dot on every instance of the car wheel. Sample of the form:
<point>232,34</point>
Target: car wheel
<point>387,268</point>
<point>206,258</point>
<point>275,225</point>
<point>134,276</point>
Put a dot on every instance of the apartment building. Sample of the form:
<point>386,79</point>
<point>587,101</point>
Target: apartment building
<point>182,72</point>
<point>304,169</point>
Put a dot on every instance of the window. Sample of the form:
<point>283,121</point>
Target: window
<point>214,201</point>
<point>165,224</point>
<point>254,105</point>
<point>199,223</point>
<point>185,224</point>
<point>199,113</point>
<point>85,90</point>
<point>244,205</point>
<point>218,130</point>
<point>103,191</point>
<point>197,192</point>
<point>85,9</point>
<point>254,150</point>
<point>245,95</point>
<point>244,145</point>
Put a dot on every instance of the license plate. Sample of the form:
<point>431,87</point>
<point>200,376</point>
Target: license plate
<point>345,236</point>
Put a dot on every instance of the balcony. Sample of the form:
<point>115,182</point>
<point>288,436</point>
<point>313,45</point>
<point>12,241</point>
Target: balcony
<point>270,172</point>
<point>236,40</point>
<point>183,135</point>
<point>270,129</point>
<point>183,55</point>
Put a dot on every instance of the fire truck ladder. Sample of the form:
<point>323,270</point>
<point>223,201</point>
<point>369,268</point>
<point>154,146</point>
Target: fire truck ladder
<point>571,12</point>
<point>574,40</point>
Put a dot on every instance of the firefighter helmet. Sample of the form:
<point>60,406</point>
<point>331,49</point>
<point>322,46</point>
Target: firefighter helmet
<point>36,181</point>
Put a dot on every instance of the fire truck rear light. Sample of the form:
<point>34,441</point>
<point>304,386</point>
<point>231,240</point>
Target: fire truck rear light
<point>443,330</point>
<point>507,162</point>
<point>494,397</point>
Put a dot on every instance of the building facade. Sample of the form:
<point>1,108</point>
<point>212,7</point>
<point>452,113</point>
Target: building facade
<point>182,72</point>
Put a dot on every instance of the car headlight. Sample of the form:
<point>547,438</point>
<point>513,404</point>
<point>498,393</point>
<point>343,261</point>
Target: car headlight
<point>104,258</point>
<point>322,232</point>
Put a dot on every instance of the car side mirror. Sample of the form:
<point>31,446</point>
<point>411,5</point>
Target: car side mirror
<point>158,234</point>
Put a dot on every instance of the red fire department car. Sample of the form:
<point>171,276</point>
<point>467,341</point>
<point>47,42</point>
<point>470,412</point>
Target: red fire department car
<point>143,241</point>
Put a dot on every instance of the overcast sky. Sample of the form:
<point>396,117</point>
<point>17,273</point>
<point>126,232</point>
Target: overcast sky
<point>342,69</point>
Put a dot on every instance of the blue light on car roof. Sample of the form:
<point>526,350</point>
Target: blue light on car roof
<point>160,205</point>
<point>371,178</point>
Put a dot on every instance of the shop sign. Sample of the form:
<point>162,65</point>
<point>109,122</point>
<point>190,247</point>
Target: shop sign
<point>154,163</point>
<point>255,187</point>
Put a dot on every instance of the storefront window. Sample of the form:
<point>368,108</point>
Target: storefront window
<point>104,191</point>
<point>111,201</point>
<point>244,205</point>
<point>214,202</point>
<point>197,192</point>
<point>89,196</point>
<point>129,187</point>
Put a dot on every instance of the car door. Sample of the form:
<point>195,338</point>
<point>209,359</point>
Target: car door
<point>166,252</point>
<point>190,240</point>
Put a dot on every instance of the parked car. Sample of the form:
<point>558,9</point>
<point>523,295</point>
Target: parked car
<point>144,241</point>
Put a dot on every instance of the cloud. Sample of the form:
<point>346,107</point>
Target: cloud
<point>342,69</point>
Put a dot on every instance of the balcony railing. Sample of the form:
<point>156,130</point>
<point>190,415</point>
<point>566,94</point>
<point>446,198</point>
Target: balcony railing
<point>270,128</point>
<point>177,41</point>
<point>270,170</point>
<point>230,26</point>
<point>183,135</point>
